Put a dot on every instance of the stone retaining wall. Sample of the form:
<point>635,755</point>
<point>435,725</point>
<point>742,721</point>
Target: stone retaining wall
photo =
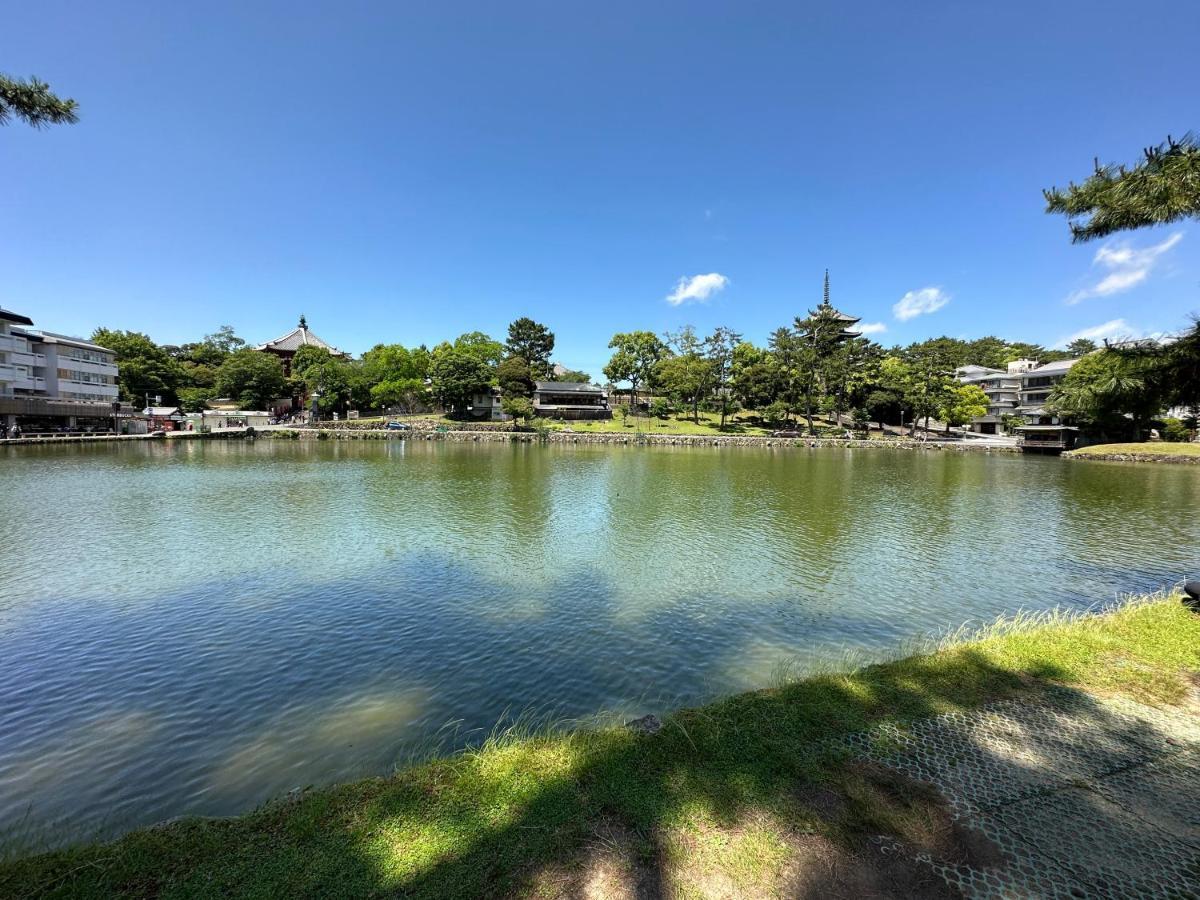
<point>1134,457</point>
<point>413,424</point>
<point>683,440</point>
<point>507,436</point>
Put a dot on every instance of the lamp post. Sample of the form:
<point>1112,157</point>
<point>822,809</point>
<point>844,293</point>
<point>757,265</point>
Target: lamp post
<point>316,408</point>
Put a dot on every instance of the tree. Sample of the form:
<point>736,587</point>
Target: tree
<point>34,103</point>
<point>252,379</point>
<point>338,384</point>
<point>1172,369</point>
<point>927,380</point>
<point>1164,187</point>
<point>962,404</point>
<point>195,399</point>
<point>514,377</point>
<point>883,404</point>
<point>405,393</point>
<point>637,353</point>
<point>1010,422</point>
<point>776,413</point>
<point>385,362</point>
<point>754,379</point>
<point>518,407</point>
<point>789,358</point>
<point>486,349</point>
<point>719,347</point>
<point>1081,346</point>
<point>989,351</point>
<point>850,372</point>
<point>306,357</point>
<point>820,334</point>
<point>1109,394</point>
<point>456,374</point>
<point>395,375</point>
<point>685,374</point>
<point>224,340</point>
<point>532,342</point>
<point>145,368</point>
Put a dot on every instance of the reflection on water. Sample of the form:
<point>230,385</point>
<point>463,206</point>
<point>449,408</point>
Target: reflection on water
<point>197,627</point>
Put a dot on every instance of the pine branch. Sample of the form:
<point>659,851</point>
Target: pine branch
<point>33,102</point>
<point>1164,187</point>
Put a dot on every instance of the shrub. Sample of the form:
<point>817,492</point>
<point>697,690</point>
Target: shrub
<point>1174,430</point>
<point>518,407</point>
<point>776,413</point>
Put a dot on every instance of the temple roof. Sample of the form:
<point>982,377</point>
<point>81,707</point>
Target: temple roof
<point>826,308</point>
<point>297,338</point>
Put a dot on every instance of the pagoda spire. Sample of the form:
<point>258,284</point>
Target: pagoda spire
<point>826,301</point>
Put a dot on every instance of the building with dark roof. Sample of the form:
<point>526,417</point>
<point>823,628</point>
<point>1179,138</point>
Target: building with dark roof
<point>286,345</point>
<point>570,400</point>
<point>826,310</point>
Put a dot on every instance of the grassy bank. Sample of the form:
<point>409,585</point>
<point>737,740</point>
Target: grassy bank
<point>720,802</point>
<point>1158,451</point>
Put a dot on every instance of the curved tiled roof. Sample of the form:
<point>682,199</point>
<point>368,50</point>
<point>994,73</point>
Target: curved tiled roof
<point>297,338</point>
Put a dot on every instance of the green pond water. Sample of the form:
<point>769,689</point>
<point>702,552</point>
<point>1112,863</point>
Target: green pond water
<point>196,627</point>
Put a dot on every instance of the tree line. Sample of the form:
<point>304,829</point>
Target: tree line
<point>388,376</point>
<point>811,368</point>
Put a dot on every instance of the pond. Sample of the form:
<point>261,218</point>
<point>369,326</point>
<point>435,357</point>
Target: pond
<point>196,627</point>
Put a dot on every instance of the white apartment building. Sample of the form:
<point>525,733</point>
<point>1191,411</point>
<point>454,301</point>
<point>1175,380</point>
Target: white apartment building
<point>1021,390</point>
<point>1036,385</point>
<point>74,369</point>
<point>16,360</point>
<point>1003,389</point>
<point>46,376</point>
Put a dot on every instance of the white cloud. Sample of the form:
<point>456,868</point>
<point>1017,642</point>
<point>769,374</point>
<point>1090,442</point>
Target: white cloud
<point>873,328</point>
<point>1127,268</point>
<point>919,303</point>
<point>697,287</point>
<point>1114,329</point>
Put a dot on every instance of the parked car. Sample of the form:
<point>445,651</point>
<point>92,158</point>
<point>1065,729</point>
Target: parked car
<point>398,426</point>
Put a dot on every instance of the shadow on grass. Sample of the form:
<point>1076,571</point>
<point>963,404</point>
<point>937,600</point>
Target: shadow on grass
<point>525,814</point>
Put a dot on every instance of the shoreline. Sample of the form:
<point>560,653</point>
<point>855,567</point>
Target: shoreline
<point>1143,453</point>
<point>527,805</point>
<point>528,437</point>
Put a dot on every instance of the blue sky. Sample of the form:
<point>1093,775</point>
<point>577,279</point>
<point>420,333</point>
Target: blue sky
<point>408,171</point>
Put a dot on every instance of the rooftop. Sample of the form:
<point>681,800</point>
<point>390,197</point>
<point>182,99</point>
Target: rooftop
<point>1050,368</point>
<point>9,316</point>
<point>49,337</point>
<point>299,337</point>
<point>567,387</point>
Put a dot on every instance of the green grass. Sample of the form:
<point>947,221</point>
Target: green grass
<point>1157,449</point>
<point>711,803</point>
